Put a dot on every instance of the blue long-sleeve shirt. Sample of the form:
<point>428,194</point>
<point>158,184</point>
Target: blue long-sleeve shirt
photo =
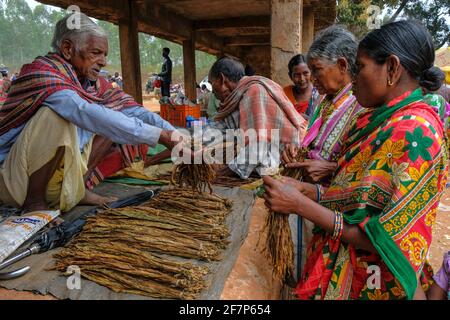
<point>134,125</point>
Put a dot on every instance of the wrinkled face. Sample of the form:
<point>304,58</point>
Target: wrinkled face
<point>370,85</point>
<point>222,87</point>
<point>89,59</point>
<point>301,76</point>
<point>327,77</point>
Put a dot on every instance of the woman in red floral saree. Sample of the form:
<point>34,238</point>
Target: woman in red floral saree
<point>374,222</point>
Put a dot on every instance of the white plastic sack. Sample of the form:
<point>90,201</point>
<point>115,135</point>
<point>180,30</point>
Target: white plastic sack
<point>15,230</point>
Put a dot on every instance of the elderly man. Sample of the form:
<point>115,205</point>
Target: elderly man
<point>60,119</point>
<point>253,102</point>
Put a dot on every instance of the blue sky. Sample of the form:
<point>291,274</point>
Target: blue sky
<point>32,3</point>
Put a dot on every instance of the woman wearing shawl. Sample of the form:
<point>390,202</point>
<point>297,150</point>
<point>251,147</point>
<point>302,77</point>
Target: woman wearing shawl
<point>331,59</point>
<point>374,222</point>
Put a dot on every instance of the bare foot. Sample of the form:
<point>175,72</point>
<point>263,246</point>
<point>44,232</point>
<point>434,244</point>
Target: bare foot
<point>91,198</point>
<point>34,206</point>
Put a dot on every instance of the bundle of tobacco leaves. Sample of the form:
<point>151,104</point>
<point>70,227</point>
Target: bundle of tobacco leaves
<point>222,181</point>
<point>279,244</point>
<point>231,182</point>
<point>129,249</point>
<point>196,176</point>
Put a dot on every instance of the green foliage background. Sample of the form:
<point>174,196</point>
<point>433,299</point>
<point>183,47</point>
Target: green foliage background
<point>27,33</point>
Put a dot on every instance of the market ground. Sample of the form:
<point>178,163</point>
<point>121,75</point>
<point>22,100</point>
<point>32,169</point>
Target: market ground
<point>151,103</point>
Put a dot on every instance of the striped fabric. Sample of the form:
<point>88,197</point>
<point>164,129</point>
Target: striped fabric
<point>264,106</point>
<point>45,76</point>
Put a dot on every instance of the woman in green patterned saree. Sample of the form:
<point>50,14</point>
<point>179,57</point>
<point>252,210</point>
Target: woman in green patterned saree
<point>374,222</point>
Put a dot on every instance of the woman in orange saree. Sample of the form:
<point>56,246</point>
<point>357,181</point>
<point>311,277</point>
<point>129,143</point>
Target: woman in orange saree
<point>374,222</point>
<point>302,93</point>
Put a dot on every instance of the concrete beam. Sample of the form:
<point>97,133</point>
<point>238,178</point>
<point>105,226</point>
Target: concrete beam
<point>111,11</point>
<point>129,53</point>
<point>233,23</point>
<point>286,36</point>
<point>189,69</point>
<point>151,19</point>
<point>308,28</point>
<point>247,41</point>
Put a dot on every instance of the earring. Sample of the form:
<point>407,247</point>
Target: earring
<point>390,83</point>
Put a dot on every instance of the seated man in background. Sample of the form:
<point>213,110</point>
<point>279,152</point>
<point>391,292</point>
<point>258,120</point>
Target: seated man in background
<point>60,120</point>
<point>252,102</point>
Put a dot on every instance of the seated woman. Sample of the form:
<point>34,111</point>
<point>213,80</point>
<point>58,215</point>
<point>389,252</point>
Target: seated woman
<point>302,94</point>
<point>375,220</point>
<point>331,59</point>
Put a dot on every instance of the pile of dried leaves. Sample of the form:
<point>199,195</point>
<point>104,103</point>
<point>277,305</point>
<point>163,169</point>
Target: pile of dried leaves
<point>132,249</point>
<point>196,176</point>
<point>222,181</point>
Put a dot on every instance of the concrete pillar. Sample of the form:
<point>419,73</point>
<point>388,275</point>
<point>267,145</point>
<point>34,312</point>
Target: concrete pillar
<point>286,36</point>
<point>189,68</point>
<point>308,28</point>
<point>129,53</point>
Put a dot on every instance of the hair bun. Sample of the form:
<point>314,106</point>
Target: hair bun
<point>432,79</point>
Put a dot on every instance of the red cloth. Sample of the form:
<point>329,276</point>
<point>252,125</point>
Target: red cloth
<point>301,107</point>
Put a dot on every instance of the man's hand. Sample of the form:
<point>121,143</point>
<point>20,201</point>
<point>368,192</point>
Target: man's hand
<point>315,170</point>
<point>165,139</point>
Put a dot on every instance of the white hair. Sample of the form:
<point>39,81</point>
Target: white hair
<point>76,34</point>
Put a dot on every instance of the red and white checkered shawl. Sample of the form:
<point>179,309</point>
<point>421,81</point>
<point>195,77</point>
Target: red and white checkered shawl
<point>264,106</point>
<point>45,76</point>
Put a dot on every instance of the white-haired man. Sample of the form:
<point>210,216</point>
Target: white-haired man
<point>60,120</point>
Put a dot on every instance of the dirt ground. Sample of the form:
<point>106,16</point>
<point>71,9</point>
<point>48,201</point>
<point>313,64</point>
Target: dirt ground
<point>441,232</point>
<point>151,103</point>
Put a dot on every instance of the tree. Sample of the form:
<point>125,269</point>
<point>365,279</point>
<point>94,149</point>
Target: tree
<point>434,14</point>
<point>353,15</point>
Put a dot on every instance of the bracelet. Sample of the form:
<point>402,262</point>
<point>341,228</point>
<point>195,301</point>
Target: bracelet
<point>319,190</point>
<point>338,225</point>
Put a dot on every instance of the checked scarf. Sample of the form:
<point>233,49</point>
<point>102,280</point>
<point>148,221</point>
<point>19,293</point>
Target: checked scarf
<point>264,106</point>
